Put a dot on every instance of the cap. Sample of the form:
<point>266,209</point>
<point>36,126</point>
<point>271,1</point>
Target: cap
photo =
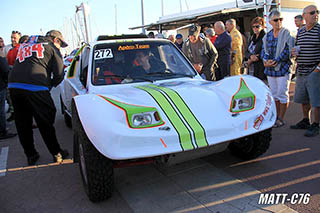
<point>57,34</point>
<point>194,30</point>
<point>178,36</point>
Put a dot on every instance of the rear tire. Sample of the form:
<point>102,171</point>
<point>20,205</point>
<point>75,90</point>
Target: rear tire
<point>96,170</point>
<point>252,146</point>
<point>67,118</point>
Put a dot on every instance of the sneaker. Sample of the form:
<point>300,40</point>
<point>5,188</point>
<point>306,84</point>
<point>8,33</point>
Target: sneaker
<point>7,135</point>
<point>60,156</point>
<point>303,124</point>
<point>33,159</point>
<point>312,131</point>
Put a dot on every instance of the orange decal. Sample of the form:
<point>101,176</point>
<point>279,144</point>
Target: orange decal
<point>165,146</point>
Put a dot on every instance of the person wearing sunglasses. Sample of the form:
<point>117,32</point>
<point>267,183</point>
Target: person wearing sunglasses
<point>277,61</point>
<point>307,89</point>
<point>253,61</point>
<point>15,36</point>
<point>38,68</point>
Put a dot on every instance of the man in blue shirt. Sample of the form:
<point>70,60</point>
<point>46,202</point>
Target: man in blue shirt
<point>223,46</point>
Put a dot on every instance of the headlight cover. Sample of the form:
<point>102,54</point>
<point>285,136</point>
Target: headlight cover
<point>138,116</point>
<point>243,99</point>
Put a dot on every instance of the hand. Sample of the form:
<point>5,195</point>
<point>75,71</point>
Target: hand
<point>249,62</point>
<point>270,63</point>
<point>294,52</point>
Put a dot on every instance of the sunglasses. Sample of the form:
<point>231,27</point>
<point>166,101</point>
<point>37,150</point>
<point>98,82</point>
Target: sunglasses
<point>256,26</point>
<point>277,19</point>
<point>313,12</point>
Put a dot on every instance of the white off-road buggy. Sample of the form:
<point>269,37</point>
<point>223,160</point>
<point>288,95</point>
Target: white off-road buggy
<point>123,113</point>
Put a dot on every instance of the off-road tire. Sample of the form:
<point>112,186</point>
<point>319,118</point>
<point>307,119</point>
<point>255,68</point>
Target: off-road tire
<point>252,146</point>
<point>67,118</point>
<point>75,127</point>
<point>96,170</point>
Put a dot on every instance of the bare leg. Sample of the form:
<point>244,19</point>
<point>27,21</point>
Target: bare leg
<point>306,109</point>
<point>283,109</point>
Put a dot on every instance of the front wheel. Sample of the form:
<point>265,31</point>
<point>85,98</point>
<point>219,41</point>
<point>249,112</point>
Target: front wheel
<point>252,146</point>
<point>96,170</point>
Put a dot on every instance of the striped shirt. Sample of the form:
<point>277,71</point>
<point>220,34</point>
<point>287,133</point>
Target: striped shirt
<point>309,55</point>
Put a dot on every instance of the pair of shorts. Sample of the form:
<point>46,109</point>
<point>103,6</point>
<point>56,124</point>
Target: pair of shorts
<point>307,90</point>
<point>279,87</point>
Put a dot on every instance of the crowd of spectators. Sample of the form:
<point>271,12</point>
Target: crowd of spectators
<point>276,57</point>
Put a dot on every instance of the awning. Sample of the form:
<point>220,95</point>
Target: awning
<point>174,21</point>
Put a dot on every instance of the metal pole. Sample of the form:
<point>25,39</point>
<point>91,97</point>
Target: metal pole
<point>116,21</point>
<point>180,7</point>
<point>142,15</point>
<point>85,23</point>
<point>162,8</point>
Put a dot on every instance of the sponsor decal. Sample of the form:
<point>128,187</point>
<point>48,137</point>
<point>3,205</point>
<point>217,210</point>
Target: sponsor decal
<point>180,116</point>
<point>268,105</point>
<point>259,119</point>
<point>258,122</point>
<point>133,47</point>
<point>282,198</point>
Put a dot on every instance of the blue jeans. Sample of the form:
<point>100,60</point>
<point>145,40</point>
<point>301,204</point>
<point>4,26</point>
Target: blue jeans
<point>2,111</point>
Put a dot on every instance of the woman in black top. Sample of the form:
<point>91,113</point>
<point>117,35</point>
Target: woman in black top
<point>252,55</point>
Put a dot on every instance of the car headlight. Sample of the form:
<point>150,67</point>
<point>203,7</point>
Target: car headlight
<point>242,104</point>
<point>142,119</point>
<point>146,119</point>
<point>243,99</point>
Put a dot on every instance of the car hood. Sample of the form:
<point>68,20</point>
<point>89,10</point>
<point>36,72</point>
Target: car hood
<point>208,101</point>
<point>198,111</point>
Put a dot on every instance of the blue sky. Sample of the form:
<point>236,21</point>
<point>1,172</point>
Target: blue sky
<point>31,16</point>
<point>34,17</point>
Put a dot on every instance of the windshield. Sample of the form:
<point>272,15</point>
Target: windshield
<point>128,62</point>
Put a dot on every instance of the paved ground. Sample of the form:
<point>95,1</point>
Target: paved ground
<point>217,183</point>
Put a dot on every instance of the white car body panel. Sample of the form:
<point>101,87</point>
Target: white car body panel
<point>116,140</point>
<point>107,128</point>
